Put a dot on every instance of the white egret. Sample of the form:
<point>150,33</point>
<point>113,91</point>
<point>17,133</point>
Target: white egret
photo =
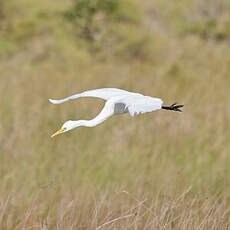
<point>118,101</point>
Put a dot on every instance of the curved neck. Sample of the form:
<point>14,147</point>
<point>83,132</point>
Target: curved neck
<point>106,112</point>
<point>89,123</point>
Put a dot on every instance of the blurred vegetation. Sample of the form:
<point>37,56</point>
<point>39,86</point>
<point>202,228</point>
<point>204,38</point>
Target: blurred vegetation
<point>84,13</point>
<point>165,170</point>
<point>210,20</point>
<point>2,13</point>
<point>105,26</point>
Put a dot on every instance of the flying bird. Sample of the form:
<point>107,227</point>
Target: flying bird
<point>117,101</point>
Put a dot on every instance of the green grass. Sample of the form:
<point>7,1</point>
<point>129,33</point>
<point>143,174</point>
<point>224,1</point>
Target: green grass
<point>161,170</point>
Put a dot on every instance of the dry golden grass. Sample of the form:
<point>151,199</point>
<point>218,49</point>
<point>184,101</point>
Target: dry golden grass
<point>160,170</point>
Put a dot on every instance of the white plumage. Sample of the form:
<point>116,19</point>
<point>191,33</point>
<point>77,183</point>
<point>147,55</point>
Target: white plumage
<point>118,101</point>
<point>104,93</point>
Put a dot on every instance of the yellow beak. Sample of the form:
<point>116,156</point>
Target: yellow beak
<point>58,132</point>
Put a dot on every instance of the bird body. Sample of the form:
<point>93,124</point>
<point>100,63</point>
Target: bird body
<point>118,101</point>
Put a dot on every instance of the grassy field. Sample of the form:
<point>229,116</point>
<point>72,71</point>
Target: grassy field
<point>161,170</point>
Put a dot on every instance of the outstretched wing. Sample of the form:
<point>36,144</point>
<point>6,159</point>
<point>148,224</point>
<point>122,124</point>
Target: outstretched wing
<point>104,93</point>
<point>138,104</point>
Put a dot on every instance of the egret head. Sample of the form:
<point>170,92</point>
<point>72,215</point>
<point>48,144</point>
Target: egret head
<point>67,126</point>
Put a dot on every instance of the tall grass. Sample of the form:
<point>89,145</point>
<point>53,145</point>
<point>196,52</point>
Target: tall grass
<point>162,170</point>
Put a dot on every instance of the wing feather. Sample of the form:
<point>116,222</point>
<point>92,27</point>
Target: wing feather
<point>104,93</point>
<point>139,104</point>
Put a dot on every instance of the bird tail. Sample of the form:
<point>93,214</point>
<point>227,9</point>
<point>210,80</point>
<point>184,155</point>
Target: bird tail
<point>173,107</point>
